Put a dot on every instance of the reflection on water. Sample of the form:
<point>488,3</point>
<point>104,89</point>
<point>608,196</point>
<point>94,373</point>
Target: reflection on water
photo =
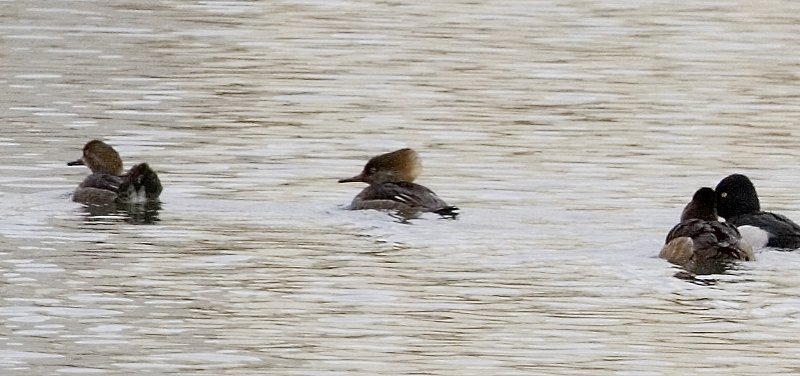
<point>569,134</point>
<point>141,213</point>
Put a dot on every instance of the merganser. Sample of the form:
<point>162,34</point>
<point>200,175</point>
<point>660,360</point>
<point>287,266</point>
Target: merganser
<point>390,177</point>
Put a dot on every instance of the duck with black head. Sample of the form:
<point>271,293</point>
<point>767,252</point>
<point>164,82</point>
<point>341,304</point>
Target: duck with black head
<point>700,242</point>
<point>390,177</point>
<point>737,202</point>
<point>108,184</point>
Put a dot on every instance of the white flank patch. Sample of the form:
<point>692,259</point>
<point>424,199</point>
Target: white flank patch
<point>757,237</point>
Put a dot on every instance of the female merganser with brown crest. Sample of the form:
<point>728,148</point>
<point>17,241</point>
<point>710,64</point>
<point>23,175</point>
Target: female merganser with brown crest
<point>390,177</point>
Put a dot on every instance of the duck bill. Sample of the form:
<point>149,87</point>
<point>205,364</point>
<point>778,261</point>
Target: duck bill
<point>78,162</point>
<point>357,178</point>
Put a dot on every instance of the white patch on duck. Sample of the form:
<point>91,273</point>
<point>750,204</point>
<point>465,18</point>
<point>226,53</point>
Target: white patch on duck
<point>757,237</point>
<point>136,196</point>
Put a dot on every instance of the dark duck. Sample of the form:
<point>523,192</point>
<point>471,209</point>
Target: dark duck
<point>737,202</point>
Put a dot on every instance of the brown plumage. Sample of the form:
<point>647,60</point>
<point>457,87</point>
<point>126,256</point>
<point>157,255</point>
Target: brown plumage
<point>390,177</point>
<point>700,241</point>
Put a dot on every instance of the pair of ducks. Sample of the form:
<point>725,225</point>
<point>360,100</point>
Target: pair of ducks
<point>390,177</point>
<point>701,241</point>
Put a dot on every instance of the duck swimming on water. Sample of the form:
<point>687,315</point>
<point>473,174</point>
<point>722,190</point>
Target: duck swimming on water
<point>390,177</point>
<point>700,241</point>
<point>737,202</point>
<point>108,184</point>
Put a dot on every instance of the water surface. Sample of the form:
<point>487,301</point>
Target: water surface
<point>570,133</point>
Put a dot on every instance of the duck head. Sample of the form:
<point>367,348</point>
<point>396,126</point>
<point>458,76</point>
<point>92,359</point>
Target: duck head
<point>100,157</point>
<point>736,195</point>
<point>702,206</point>
<point>399,165</point>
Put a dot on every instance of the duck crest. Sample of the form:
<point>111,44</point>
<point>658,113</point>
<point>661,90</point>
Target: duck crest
<point>101,158</point>
<point>400,165</point>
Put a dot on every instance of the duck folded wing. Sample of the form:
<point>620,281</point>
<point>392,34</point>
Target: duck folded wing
<point>708,240</point>
<point>411,194</point>
<point>102,181</point>
<point>693,228</point>
<point>98,189</point>
<point>783,232</point>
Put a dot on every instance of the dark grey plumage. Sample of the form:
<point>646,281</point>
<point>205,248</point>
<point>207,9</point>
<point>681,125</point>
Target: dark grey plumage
<point>737,202</point>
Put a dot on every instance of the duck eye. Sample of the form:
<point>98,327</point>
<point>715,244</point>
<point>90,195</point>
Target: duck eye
<point>373,170</point>
<point>723,194</point>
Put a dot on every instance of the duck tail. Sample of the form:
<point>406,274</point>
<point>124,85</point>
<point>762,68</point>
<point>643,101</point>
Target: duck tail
<point>141,179</point>
<point>449,212</point>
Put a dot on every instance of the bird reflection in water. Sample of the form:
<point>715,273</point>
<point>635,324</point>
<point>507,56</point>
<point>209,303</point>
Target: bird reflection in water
<point>140,213</point>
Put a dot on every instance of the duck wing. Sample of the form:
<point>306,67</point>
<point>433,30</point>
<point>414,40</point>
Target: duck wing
<point>712,240</point>
<point>102,181</point>
<point>783,232</point>
<point>410,194</point>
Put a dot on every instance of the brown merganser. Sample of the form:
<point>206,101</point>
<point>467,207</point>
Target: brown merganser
<point>390,177</point>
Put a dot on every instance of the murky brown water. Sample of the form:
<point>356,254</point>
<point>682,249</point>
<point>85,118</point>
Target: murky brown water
<point>569,132</point>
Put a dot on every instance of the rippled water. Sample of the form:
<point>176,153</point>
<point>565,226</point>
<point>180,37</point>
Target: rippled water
<point>570,133</point>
